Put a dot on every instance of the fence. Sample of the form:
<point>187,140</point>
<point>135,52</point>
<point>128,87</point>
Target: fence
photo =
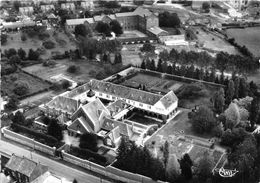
<point>28,142</point>
<point>109,171</point>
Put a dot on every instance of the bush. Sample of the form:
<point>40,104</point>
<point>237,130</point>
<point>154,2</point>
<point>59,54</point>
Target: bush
<point>48,44</point>
<point>43,35</point>
<point>21,88</point>
<point>72,69</point>
<point>23,37</point>
<point>87,154</point>
<point>191,91</point>
<point>65,84</point>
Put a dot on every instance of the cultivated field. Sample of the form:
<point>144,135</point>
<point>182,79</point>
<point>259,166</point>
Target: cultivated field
<point>153,83</point>
<point>34,84</point>
<point>61,40</point>
<point>248,37</point>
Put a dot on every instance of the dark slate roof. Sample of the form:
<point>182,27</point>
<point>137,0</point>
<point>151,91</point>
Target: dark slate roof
<point>110,124</point>
<point>64,104</point>
<point>125,92</point>
<point>24,166</point>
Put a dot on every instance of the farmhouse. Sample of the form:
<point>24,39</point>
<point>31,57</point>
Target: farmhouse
<point>140,19</point>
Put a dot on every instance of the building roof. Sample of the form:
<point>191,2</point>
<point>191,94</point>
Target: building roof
<point>156,30</point>
<point>25,166</point>
<point>64,104</point>
<point>92,117</point>
<point>125,92</point>
<point>168,99</point>
<point>110,124</point>
<point>78,21</point>
<point>101,17</point>
<point>117,106</point>
<point>141,11</point>
<point>81,125</point>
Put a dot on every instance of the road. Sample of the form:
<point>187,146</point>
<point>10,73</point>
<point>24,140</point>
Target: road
<point>55,167</point>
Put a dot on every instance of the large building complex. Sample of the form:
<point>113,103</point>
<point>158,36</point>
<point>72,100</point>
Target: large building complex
<point>140,19</point>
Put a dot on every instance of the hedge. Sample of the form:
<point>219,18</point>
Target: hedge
<point>87,154</point>
<point>49,140</point>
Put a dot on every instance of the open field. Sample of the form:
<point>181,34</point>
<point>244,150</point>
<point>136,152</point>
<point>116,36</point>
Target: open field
<point>61,40</point>
<point>248,37</point>
<point>83,75</point>
<point>34,84</point>
<point>217,44</point>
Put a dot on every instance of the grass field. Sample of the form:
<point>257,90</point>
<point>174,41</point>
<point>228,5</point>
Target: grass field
<point>248,37</point>
<point>61,40</point>
<point>83,75</point>
<point>217,44</point>
<point>34,84</point>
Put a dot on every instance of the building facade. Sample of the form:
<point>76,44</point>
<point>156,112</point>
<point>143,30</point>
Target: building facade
<point>140,19</point>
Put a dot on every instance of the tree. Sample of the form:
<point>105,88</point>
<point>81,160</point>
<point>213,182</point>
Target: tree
<point>159,66</point>
<point>164,55</point>
<point>204,167</point>
<point>147,47</point>
<point>3,39</point>
<point>172,168</point>
<point>232,115</point>
<point>104,28</point>
<point>22,54</point>
<point>167,19</point>
<point>75,181</point>
<point>143,65</point>
<point>166,152</point>
<point>116,27</point>
<point>82,30</point>
<point>72,69</point>
<point>21,88</point>
<point>10,52</point>
<point>203,120</point>
<point>206,6</point>
<point>23,37</point>
<point>54,129</point>
<point>219,101</point>
<point>230,92</point>
<point>17,5</point>
<point>18,118</point>
<point>254,112</point>
<point>12,103</point>
<point>33,55</point>
<point>185,166</point>
<point>88,141</point>
<point>14,60</point>
<point>152,65</point>
<point>243,88</point>
<point>233,137</point>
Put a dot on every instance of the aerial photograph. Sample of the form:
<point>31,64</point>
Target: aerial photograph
<point>130,91</point>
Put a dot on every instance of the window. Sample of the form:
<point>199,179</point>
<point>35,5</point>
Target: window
<point>108,96</point>
<point>149,107</point>
<point>100,94</point>
<point>141,105</point>
<point>113,98</point>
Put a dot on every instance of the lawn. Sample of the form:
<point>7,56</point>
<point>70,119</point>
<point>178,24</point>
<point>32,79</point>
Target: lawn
<point>248,37</point>
<point>86,71</point>
<point>61,40</point>
<point>34,84</point>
